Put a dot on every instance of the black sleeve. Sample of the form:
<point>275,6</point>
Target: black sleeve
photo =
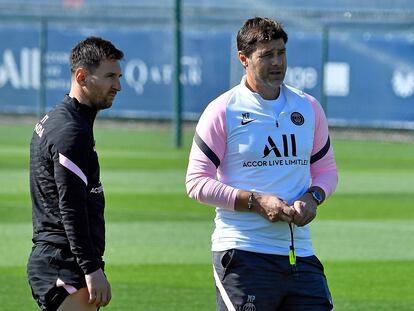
<point>70,159</point>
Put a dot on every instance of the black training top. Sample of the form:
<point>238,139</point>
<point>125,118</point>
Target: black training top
<point>67,196</point>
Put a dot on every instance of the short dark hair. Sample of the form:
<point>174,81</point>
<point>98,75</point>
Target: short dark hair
<point>258,29</point>
<point>91,51</point>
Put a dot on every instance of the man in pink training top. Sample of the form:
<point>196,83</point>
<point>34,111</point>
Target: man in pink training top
<point>262,156</point>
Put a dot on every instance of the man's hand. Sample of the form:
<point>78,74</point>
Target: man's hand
<point>305,210</point>
<point>272,208</point>
<point>98,288</point>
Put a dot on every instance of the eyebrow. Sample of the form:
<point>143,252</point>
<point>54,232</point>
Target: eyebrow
<point>111,74</point>
<point>274,49</point>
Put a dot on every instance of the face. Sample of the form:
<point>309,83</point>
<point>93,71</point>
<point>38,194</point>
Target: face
<point>266,68</point>
<point>103,84</point>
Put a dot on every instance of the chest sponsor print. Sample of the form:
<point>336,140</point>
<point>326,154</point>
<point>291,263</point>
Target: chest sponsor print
<point>283,155</point>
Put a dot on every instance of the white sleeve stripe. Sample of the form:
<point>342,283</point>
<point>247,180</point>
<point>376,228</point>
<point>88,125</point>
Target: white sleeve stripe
<point>69,288</point>
<point>72,167</point>
<point>223,292</point>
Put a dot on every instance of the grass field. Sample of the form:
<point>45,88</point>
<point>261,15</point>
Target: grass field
<point>158,240</point>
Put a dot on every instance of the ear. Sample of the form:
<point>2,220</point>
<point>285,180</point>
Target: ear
<point>81,75</point>
<point>243,59</point>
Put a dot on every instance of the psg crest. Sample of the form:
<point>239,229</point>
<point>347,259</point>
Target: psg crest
<point>297,118</point>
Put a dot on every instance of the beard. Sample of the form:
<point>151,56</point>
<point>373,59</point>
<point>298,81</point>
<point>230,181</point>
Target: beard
<point>101,104</point>
<point>272,80</point>
<point>103,101</point>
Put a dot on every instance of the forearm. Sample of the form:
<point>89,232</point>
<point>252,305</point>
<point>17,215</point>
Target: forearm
<point>76,226</point>
<point>326,180</point>
<point>208,190</point>
<point>323,167</point>
<point>75,220</point>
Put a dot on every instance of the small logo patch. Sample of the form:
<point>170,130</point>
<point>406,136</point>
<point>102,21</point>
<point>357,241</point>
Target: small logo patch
<point>297,118</point>
<point>97,189</point>
<point>39,129</point>
<point>246,118</point>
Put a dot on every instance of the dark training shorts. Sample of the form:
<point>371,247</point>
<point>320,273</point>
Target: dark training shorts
<point>247,281</point>
<point>53,274</point>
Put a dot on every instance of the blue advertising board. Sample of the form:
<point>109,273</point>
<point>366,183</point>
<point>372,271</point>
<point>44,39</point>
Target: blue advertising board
<point>147,87</point>
<point>371,81</point>
<point>19,67</point>
<point>304,55</point>
<point>368,76</point>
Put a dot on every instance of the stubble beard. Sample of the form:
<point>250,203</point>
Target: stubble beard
<point>102,103</point>
<point>271,84</point>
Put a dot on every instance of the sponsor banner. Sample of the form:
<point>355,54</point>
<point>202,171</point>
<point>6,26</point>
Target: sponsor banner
<point>19,67</point>
<point>147,84</point>
<point>369,76</point>
<point>148,72</point>
<point>304,55</point>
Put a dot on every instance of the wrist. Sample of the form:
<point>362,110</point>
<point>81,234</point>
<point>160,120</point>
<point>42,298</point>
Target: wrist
<point>317,194</point>
<point>242,201</point>
<point>246,201</point>
<point>250,202</point>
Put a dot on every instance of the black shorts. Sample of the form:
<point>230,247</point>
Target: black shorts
<point>49,269</point>
<point>248,281</point>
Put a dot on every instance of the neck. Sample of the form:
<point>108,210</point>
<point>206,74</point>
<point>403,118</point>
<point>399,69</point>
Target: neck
<point>77,92</point>
<point>267,93</point>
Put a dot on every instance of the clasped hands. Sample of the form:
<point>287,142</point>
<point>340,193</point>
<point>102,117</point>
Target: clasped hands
<point>301,212</point>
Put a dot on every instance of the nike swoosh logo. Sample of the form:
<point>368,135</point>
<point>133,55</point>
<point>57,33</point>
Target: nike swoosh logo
<point>243,122</point>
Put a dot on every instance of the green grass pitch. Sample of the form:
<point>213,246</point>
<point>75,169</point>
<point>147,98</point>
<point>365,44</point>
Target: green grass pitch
<point>158,240</point>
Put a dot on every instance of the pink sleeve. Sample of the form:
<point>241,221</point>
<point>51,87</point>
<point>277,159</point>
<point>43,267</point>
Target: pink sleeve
<point>323,167</point>
<point>207,152</point>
